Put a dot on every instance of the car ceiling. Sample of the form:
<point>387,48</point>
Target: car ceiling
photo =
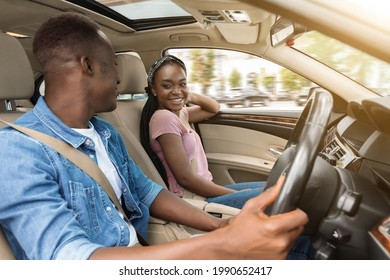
<point>24,17</point>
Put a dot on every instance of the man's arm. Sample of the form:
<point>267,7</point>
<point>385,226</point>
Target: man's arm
<point>167,206</point>
<point>250,235</point>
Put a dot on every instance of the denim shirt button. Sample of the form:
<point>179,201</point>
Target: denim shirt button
<point>122,227</point>
<point>108,208</point>
<point>124,190</point>
<point>88,142</point>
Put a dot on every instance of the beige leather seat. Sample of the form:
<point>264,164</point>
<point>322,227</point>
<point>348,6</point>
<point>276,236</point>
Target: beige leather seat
<point>126,118</point>
<point>16,82</point>
<point>16,77</point>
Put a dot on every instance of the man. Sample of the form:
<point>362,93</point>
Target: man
<point>50,209</point>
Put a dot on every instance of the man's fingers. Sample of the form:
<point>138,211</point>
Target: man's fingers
<point>289,221</point>
<point>262,201</point>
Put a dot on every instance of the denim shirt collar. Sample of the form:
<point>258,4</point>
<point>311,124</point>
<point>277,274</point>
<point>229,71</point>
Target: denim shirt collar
<point>63,131</point>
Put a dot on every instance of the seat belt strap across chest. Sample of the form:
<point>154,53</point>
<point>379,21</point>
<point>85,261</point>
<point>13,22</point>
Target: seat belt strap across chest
<point>82,161</point>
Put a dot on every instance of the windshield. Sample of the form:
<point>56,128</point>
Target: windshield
<point>367,70</point>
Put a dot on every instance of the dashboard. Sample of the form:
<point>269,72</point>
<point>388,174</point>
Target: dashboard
<point>358,147</point>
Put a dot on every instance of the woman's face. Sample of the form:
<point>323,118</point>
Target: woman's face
<point>170,87</point>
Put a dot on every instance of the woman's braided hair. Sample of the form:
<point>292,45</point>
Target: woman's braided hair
<point>150,107</point>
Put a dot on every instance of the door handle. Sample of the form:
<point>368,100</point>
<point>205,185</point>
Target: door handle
<point>275,151</point>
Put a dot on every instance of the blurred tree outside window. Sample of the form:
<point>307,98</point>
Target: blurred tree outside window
<point>239,80</point>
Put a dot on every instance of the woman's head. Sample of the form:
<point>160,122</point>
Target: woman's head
<point>167,83</point>
<point>168,59</point>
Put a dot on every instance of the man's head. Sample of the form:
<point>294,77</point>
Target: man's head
<point>63,37</point>
<point>75,54</point>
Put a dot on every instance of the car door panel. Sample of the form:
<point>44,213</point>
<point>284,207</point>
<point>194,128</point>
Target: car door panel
<point>243,147</point>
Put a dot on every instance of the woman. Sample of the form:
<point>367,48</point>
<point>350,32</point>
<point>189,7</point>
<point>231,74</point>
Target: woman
<point>174,146</point>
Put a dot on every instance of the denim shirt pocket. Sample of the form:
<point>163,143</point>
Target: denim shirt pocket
<point>84,205</point>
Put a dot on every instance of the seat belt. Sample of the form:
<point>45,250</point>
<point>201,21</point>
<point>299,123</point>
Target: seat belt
<point>81,160</point>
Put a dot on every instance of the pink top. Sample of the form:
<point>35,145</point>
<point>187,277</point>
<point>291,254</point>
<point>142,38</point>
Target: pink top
<point>165,121</point>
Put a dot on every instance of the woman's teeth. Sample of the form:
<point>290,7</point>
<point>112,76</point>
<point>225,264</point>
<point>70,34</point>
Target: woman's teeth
<point>177,100</point>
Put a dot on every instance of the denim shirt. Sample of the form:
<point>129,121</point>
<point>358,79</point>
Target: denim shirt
<point>49,208</point>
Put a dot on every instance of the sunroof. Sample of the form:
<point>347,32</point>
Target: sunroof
<point>145,9</point>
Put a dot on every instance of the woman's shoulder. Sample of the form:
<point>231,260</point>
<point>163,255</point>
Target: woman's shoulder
<point>163,112</point>
<point>165,120</point>
<point>164,115</point>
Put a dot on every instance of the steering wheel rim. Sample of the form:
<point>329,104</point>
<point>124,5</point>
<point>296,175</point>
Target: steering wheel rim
<point>297,161</point>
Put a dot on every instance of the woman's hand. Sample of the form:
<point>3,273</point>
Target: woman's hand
<point>206,107</point>
<point>188,99</point>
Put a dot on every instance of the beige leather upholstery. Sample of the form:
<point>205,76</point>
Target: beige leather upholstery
<point>126,117</point>
<point>132,74</point>
<point>16,76</point>
<point>3,106</point>
<point>16,82</point>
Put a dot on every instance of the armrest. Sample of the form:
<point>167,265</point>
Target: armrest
<point>161,231</point>
<point>218,210</point>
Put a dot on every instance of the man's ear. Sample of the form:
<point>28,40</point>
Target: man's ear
<point>87,65</point>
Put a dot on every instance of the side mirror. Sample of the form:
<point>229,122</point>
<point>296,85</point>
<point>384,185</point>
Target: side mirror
<point>284,30</point>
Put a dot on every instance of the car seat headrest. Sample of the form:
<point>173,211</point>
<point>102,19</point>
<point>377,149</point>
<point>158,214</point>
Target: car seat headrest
<point>16,75</point>
<point>132,74</point>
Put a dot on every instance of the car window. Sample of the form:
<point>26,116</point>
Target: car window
<point>365,69</point>
<point>241,80</point>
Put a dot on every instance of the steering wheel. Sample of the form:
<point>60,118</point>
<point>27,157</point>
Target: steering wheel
<point>297,160</point>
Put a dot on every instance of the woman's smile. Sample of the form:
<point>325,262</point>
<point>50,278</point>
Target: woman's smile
<point>176,101</point>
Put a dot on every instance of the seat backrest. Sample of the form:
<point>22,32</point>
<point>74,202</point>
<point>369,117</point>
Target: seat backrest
<point>16,82</point>
<point>126,117</point>
<point>16,77</point>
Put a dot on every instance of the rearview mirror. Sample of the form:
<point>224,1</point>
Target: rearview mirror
<point>284,30</point>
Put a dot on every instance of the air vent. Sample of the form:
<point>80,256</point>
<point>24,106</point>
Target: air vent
<point>335,150</point>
